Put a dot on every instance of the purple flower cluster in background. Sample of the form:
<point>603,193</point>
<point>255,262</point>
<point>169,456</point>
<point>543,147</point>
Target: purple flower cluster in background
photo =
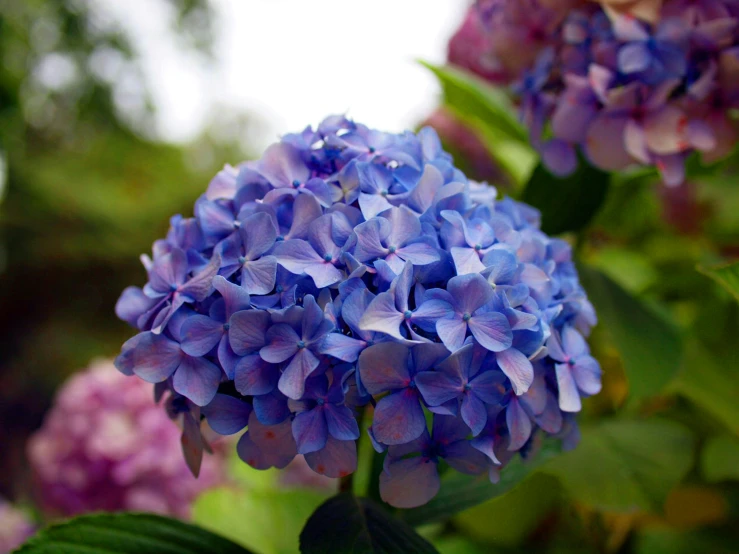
<point>620,89</point>
<point>347,268</point>
<point>106,445</point>
<point>15,527</point>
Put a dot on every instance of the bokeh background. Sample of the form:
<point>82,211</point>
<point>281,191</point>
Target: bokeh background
<point>114,116</point>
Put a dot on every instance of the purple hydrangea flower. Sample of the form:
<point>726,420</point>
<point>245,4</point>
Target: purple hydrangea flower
<point>643,82</point>
<point>106,445</point>
<point>352,271</point>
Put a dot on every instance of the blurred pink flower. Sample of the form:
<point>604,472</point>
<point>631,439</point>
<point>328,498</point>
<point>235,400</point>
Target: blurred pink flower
<point>106,445</point>
<point>15,527</point>
<point>470,49</point>
<point>518,31</point>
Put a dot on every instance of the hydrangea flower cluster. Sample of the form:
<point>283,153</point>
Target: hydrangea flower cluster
<point>350,267</point>
<point>629,82</point>
<point>15,527</point>
<point>106,445</point>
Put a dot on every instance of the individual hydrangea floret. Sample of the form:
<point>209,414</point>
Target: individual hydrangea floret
<point>106,445</point>
<point>356,273</point>
<point>622,81</point>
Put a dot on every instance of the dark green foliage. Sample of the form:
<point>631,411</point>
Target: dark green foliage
<point>127,534</point>
<point>569,203</point>
<point>352,525</point>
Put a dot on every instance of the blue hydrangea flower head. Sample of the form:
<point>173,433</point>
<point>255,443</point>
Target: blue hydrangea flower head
<point>351,271</point>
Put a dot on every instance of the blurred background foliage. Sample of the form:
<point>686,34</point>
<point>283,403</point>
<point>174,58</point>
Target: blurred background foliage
<point>86,186</point>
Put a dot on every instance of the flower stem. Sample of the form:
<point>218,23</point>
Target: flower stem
<point>346,483</point>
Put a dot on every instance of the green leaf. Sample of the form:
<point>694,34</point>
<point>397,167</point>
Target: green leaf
<point>352,525</point>
<point>649,346</point>
<point>720,459</point>
<point>459,492</point>
<point>267,521</point>
<point>660,540</point>
<point>569,203</point>
<point>467,93</point>
<point>127,534</point>
<point>516,514</point>
<point>726,275</point>
<point>626,465</point>
<point>708,379</point>
<point>490,112</point>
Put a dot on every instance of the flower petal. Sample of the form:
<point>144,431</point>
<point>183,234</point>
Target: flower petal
<point>465,458</point>
<point>200,334</point>
<point>519,424</point>
<point>197,379</point>
<point>310,431</point>
<point>324,274</point>
<point>342,347</point>
<point>265,446</point>
<point>587,375</point>
<point>398,418</point>
<point>569,397</point>
<point>227,415</point>
<point>342,424</point>
<point>452,332</point>
<point>384,367</point>
<point>295,255</point>
<point>153,357</point>
<point>437,387</point>
<point>409,483</point>
<point>474,413</point>
<point>292,380</point>
<point>337,459</point>
<point>282,345</point>
<point>466,260</point>
<point>271,408</point>
<point>470,292</point>
<point>492,331</point>
<point>517,368</point>
<point>372,205</point>
<point>258,277</point>
<point>248,331</point>
<point>382,316</point>
<point>253,376</point>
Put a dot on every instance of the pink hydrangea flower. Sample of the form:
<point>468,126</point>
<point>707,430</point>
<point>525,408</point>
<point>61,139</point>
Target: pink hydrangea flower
<point>106,445</point>
<point>15,527</point>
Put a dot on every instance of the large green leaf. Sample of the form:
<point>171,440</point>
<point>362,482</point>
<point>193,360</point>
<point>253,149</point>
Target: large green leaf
<point>263,519</point>
<point>352,525</point>
<point>649,346</point>
<point>459,492</point>
<point>726,275</point>
<point>491,113</point>
<point>467,93</point>
<point>720,459</point>
<point>708,379</point>
<point>569,203</point>
<point>626,465</point>
<point>127,534</point>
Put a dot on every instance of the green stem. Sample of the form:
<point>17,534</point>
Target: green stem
<point>346,484</point>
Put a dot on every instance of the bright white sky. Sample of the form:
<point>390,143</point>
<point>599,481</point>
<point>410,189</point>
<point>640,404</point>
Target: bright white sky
<point>292,62</point>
